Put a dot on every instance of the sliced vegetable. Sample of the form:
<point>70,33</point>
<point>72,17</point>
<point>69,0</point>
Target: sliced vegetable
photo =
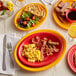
<point>33,25</point>
<point>19,25</point>
<point>29,14</point>
<point>33,17</point>
<point>33,21</point>
<point>24,22</point>
<point>29,24</point>
<point>27,18</point>
<point>25,14</point>
<point>18,19</point>
<point>4,11</point>
<point>37,18</point>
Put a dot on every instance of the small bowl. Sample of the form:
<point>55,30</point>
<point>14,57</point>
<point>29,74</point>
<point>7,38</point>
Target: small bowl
<point>68,19</point>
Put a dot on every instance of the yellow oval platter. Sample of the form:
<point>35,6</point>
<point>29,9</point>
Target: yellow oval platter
<point>57,20</point>
<point>21,10</point>
<point>44,67</point>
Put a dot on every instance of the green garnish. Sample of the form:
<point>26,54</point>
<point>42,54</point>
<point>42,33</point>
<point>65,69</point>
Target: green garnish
<point>26,14</point>
<point>37,18</point>
<point>29,14</point>
<point>30,21</point>
<point>19,25</point>
<point>4,11</point>
<point>29,24</point>
<point>33,21</point>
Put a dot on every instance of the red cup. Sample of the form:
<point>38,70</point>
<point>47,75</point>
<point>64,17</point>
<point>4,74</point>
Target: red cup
<point>67,13</point>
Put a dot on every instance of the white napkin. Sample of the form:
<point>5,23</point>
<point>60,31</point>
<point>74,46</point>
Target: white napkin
<point>47,2</point>
<point>9,38</point>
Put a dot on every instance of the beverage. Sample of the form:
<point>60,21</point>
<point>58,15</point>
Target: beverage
<point>19,3</point>
<point>72,31</point>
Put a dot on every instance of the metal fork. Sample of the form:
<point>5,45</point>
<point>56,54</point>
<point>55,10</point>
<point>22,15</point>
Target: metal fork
<point>9,47</point>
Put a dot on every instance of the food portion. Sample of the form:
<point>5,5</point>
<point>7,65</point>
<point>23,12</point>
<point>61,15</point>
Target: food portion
<point>31,15</point>
<point>39,48</point>
<point>32,53</point>
<point>72,15</point>
<point>75,58</point>
<point>28,20</point>
<point>36,9</point>
<point>62,8</point>
<point>6,6</point>
<point>74,5</point>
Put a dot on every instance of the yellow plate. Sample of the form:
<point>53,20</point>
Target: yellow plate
<point>21,10</point>
<point>47,66</point>
<point>62,25</point>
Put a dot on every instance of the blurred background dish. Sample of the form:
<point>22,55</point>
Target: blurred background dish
<point>19,3</point>
<point>71,59</point>
<point>6,9</point>
<point>59,15</point>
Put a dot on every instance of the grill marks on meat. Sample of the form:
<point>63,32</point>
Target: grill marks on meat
<point>53,43</point>
<point>47,47</point>
<point>37,42</point>
<point>62,8</point>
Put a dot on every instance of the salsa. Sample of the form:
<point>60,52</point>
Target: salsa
<point>72,15</point>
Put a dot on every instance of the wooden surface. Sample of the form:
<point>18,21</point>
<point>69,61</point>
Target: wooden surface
<point>61,69</point>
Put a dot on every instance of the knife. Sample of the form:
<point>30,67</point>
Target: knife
<point>4,53</point>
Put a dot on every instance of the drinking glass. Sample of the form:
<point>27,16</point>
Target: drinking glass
<point>72,33</point>
<point>19,3</point>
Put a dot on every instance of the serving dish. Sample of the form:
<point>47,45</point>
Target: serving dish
<point>70,58</point>
<point>71,12</point>
<point>44,67</point>
<point>47,59</point>
<point>6,8</point>
<point>41,18</point>
<point>64,25</point>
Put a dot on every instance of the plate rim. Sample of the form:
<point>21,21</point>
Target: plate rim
<point>70,49</point>
<point>44,67</point>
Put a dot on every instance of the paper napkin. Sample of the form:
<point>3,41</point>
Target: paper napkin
<point>13,39</point>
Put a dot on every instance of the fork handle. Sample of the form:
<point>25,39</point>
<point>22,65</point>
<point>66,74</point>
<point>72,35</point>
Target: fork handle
<point>11,60</point>
<point>4,65</point>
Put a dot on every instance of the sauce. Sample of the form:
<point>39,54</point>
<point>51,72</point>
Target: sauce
<point>72,15</point>
<point>2,7</point>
